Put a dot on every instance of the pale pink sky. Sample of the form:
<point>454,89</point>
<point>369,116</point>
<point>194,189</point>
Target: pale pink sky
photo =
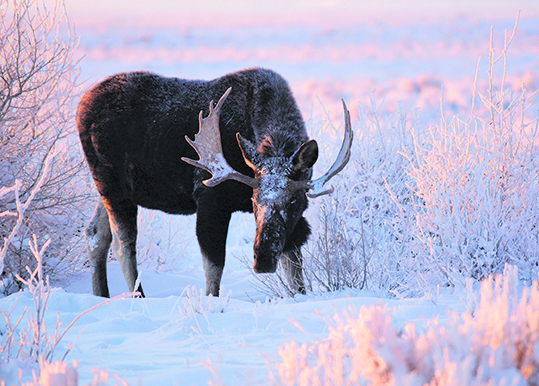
<point>220,13</point>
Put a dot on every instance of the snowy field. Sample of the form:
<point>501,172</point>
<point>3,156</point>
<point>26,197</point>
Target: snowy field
<point>403,56</point>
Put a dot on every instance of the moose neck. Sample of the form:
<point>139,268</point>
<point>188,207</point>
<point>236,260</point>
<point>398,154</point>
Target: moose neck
<point>275,115</point>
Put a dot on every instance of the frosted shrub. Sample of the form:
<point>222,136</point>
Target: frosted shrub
<point>57,373</point>
<point>35,341</point>
<point>337,258</point>
<point>60,373</point>
<point>477,181</point>
<point>361,231</point>
<point>195,302</point>
<point>37,85</point>
<point>497,344</point>
<point>416,208</point>
<point>104,378</point>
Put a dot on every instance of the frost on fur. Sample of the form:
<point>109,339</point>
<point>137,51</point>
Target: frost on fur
<point>496,344</point>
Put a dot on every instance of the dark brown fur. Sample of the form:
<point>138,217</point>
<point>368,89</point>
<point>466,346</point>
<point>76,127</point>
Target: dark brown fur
<point>132,128</point>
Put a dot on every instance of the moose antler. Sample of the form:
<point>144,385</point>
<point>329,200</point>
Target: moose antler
<point>207,144</point>
<point>317,186</point>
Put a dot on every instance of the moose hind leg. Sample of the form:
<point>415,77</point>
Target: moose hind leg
<point>123,221</point>
<point>292,266</point>
<point>98,239</point>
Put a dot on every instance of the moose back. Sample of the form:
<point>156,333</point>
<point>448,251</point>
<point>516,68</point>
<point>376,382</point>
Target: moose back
<point>251,153</point>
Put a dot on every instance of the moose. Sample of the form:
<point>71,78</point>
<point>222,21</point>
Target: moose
<point>251,153</point>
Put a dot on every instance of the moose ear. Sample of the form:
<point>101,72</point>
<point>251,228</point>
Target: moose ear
<point>251,155</point>
<point>305,156</point>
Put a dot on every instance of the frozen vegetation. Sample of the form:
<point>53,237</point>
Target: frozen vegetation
<point>422,267</point>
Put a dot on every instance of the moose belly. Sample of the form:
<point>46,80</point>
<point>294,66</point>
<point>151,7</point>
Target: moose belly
<point>164,194</point>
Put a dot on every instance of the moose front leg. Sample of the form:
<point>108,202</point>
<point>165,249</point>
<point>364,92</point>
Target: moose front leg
<point>212,229</point>
<point>292,267</point>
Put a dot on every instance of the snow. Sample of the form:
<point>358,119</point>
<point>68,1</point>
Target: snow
<point>157,341</point>
<point>175,336</point>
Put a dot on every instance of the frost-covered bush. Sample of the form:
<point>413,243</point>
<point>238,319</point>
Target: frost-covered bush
<point>363,229</point>
<point>26,336</point>
<point>56,373</point>
<point>417,207</point>
<point>38,76</point>
<point>338,256</point>
<point>496,344</point>
<point>60,373</point>
<point>476,180</point>
<point>420,206</point>
<point>196,302</point>
<point>28,345</point>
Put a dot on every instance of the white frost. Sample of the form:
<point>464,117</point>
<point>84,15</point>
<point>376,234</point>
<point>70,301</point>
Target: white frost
<point>93,242</point>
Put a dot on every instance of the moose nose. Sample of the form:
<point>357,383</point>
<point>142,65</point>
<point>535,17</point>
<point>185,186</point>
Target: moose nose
<point>265,265</point>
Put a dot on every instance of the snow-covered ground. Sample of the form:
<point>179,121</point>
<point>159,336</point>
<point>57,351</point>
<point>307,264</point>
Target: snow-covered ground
<point>328,50</point>
<point>160,340</point>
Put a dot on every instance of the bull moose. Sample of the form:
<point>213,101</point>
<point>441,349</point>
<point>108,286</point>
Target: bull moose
<point>253,153</point>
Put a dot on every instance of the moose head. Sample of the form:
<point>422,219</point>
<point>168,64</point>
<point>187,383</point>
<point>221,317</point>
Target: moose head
<point>281,186</point>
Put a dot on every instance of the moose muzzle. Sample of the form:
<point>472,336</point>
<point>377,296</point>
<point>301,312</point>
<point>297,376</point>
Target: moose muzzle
<point>269,240</point>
